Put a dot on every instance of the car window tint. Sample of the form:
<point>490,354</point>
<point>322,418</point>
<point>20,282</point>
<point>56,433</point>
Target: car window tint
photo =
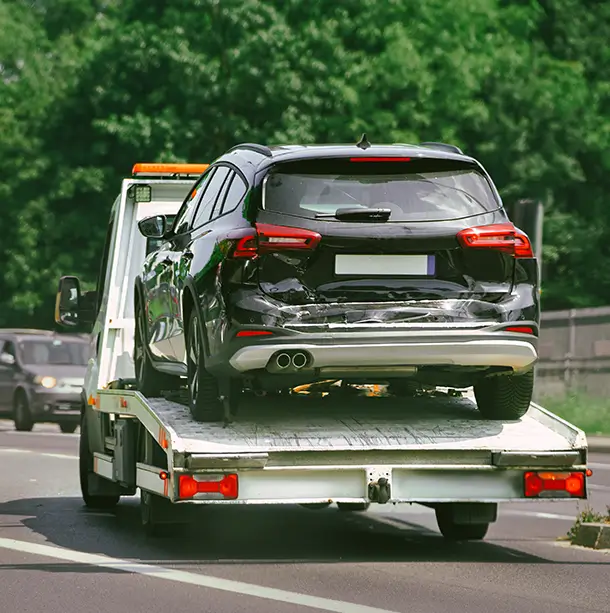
<point>9,348</point>
<point>185,215</point>
<point>217,209</point>
<point>212,191</point>
<point>235,194</point>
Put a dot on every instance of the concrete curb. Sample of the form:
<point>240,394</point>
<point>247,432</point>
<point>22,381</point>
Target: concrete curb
<point>599,444</point>
<point>593,535</point>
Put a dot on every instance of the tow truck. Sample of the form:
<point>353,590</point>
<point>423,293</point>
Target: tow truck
<point>308,449</point>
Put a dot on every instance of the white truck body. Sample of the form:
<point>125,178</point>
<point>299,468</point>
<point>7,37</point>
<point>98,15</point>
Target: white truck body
<point>297,450</point>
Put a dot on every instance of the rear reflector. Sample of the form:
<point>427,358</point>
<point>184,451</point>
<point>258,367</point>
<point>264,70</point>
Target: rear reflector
<point>520,329</point>
<point>268,238</point>
<point>551,484</point>
<point>497,237</point>
<point>245,333</point>
<point>383,159</point>
<point>189,486</point>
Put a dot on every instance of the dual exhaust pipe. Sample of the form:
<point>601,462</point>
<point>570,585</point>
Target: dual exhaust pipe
<point>289,361</point>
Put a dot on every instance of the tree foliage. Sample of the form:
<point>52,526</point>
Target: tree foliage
<point>88,87</point>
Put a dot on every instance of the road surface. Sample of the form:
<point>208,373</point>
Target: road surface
<point>57,557</point>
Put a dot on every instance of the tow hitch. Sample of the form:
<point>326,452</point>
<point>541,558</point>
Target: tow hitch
<point>380,491</point>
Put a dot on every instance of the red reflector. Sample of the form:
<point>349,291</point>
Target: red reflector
<point>384,159</point>
<point>588,472</point>
<point>520,329</point>
<point>243,333</point>
<point>571,483</point>
<point>189,486</point>
<point>269,238</point>
<point>498,237</point>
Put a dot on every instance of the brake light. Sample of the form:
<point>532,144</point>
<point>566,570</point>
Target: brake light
<point>268,238</point>
<point>572,483</point>
<point>382,159</point>
<point>189,486</point>
<point>245,333</point>
<point>520,329</point>
<point>498,237</point>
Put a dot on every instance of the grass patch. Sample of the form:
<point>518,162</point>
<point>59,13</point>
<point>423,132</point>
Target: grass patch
<point>586,516</point>
<point>590,414</point>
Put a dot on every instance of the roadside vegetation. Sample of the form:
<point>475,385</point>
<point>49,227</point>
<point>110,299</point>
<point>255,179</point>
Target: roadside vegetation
<point>587,516</point>
<point>588,413</point>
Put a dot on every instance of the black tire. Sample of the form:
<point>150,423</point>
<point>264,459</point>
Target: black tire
<point>353,506</point>
<point>315,506</point>
<point>204,393</point>
<point>153,509</point>
<point>22,415</point>
<point>149,381</point>
<point>68,428</point>
<point>85,465</point>
<point>505,396</point>
<point>459,532</point>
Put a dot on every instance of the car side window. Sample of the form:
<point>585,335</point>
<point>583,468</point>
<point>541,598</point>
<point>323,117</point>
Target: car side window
<point>9,347</point>
<point>234,195</point>
<point>206,204</point>
<point>183,220</point>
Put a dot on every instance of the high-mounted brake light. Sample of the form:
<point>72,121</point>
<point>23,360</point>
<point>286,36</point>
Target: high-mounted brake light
<point>520,329</point>
<point>169,169</point>
<point>380,159</point>
<point>268,238</point>
<point>224,485</point>
<point>498,237</point>
<point>550,484</point>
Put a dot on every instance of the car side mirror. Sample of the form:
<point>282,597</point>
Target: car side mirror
<point>7,359</point>
<point>153,227</point>
<point>67,302</point>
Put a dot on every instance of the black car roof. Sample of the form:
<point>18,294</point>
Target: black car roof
<point>263,156</point>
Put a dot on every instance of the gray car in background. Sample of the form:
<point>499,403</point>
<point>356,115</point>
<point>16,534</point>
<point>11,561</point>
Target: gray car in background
<point>41,377</point>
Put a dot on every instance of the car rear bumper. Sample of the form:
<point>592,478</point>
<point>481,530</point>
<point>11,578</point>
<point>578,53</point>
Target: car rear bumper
<point>330,352</point>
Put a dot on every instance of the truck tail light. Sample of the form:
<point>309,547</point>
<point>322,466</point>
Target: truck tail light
<point>268,238</point>
<point>497,237</point>
<point>554,484</point>
<point>224,485</point>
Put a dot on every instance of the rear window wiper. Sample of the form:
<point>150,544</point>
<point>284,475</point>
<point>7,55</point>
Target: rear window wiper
<point>357,214</point>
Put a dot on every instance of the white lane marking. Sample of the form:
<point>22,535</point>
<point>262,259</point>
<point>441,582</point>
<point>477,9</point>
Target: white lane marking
<point>601,488</point>
<point>47,454</point>
<point>170,574</point>
<point>598,465</point>
<point>536,514</point>
<point>35,433</point>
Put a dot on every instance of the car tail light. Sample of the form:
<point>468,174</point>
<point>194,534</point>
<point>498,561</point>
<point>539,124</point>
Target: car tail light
<point>225,485</point>
<point>539,484</point>
<point>498,237</point>
<point>268,238</point>
<point>520,329</point>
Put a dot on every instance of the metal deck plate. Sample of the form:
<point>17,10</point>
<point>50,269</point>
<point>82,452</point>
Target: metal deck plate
<point>331,423</point>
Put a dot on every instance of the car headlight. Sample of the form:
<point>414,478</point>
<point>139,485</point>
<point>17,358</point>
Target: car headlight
<point>48,382</point>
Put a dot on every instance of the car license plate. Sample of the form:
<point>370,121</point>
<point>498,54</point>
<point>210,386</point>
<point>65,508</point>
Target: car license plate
<point>385,265</point>
<point>64,406</point>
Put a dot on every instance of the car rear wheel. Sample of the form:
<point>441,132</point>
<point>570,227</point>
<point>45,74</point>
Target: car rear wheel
<point>204,392</point>
<point>150,382</point>
<point>21,413</point>
<point>505,396</point>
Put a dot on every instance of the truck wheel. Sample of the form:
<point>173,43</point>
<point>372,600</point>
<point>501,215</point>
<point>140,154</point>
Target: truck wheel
<point>21,413</point>
<point>505,396</point>
<point>67,428</point>
<point>85,465</point>
<point>459,532</point>
<point>204,393</point>
<point>150,382</point>
<point>353,506</point>
<point>315,506</point>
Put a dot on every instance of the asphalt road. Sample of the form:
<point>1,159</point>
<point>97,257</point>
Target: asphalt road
<point>56,557</point>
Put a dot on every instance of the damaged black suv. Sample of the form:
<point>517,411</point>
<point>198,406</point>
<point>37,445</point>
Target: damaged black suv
<point>367,263</point>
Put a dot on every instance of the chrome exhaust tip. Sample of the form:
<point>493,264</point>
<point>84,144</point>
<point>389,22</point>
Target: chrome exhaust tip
<point>299,360</point>
<point>282,361</point>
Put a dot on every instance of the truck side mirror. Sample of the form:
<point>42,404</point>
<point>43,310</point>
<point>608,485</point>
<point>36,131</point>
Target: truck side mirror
<point>67,302</point>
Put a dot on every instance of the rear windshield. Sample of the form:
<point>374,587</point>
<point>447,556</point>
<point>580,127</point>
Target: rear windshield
<point>428,194</point>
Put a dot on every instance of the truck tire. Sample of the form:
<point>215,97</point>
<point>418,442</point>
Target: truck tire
<point>353,506</point>
<point>150,382</point>
<point>85,465</point>
<point>505,396</point>
<point>204,393</point>
<point>21,413</point>
<point>67,428</point>
<point>464,521</point>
